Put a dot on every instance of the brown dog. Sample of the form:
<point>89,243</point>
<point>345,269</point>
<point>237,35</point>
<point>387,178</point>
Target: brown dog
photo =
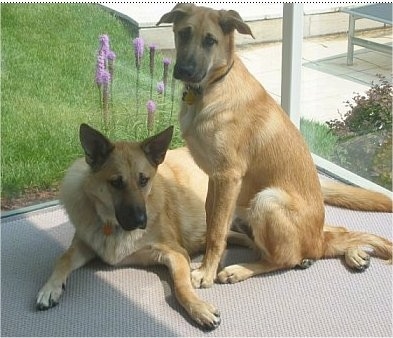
<point>129,207</point>
<point>259,166</point>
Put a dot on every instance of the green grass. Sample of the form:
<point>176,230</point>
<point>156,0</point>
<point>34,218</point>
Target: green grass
<point>319,138</point>
<point>48,69</point>
<point>48,65</point>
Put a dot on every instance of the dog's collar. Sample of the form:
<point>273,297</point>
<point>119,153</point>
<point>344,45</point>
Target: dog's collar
<point>191,92</point>
<point>225,74</point>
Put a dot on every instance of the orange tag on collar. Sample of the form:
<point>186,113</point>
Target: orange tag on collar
<point>107,229</point>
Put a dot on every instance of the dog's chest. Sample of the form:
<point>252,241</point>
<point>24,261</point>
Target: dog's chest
<point>115,246</point>
<point>202,136</point>
<point>187,117</point>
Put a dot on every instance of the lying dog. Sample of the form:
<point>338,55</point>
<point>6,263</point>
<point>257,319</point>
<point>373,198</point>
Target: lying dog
<point>259,166</point>
<point>130,208</point>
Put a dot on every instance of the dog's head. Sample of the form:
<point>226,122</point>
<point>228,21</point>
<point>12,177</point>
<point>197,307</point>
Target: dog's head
<point>121,175</point>
<point>204,41</point>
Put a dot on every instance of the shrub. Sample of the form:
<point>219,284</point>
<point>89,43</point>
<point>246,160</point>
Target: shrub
<point>365,134</point>
<point>368,113</point>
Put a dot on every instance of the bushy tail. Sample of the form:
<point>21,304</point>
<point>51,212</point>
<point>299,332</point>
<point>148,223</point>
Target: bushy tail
<point>338,242</point>
<point>354,198</point>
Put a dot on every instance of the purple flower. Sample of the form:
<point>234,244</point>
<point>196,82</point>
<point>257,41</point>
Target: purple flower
<point>111,55</point>
<point>100,68</point>
<point>104,40</point>
<point>138,49</point>
<point>167,61</point>
<point>103,77</point>
<point>160,87</point>
<point>151,108</point>
<point>104,69</point>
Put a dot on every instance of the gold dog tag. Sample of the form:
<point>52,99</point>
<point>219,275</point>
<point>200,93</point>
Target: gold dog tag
<point>189,97</point>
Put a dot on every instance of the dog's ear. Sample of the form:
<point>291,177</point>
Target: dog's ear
<point>96,146</point>
<point>155,147</point>
<point>231,20</point>
<point>177,12</point>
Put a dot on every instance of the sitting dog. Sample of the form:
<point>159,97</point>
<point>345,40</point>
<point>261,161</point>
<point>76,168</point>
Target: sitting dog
<point>258,164</point>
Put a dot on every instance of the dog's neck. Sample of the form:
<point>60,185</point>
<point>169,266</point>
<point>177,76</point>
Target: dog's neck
<point>193,91</point>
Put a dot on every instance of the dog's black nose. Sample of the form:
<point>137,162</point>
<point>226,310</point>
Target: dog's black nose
<point>183,71</point>
<point>131,217</point>
<point>140,218</point>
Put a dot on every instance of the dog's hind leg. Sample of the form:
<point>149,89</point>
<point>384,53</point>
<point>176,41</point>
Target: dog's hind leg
<point>239,272</point>
<point>77,255</point>
<point>274,234</point>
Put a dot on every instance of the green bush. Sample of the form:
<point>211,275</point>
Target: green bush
<point>365,134</point>
<point>368,113</point>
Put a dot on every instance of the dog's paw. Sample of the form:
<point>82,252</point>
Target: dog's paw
<point>357,259</point>
<point>206,315</point>
<point>200,279</point>
<point>305,264</point>
<point>233,274</point>
<point>49,295</point>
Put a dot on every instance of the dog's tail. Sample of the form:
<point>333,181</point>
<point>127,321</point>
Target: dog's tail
<point>339,240</point>
<point>354,198</point>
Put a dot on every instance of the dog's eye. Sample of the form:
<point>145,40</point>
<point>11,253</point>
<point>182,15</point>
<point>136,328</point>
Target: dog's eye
<point>185,34</point>
<point>117,183</point>
<point>143,180</point>
<point>209,41</point>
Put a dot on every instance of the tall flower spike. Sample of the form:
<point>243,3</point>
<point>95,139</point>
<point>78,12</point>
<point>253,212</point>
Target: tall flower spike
<point>152,53</point>
<point>138,49</point>
<point>152,50</point>
<point>151,109</point>
<point>104,40</point>
<point>111,56</point>
<point>160,87</point>
<point>166,62</point>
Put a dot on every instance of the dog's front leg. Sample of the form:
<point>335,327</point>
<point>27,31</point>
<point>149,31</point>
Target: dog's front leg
<point>77,255</point>
<point>176,259</point>
<point>220,204</point>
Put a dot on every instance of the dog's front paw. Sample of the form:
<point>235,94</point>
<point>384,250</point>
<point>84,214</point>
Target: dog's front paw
<point>206,315</point>
<point>49,295</point>
<point>200,279</point>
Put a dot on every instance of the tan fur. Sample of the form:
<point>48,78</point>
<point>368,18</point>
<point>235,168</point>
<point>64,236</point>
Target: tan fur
<point>258,164</point>
<point>174,199</point>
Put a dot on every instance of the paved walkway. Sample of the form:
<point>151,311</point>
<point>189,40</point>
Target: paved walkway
<point>327,81</point>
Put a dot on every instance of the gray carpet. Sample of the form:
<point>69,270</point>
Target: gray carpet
<point>325,300</point>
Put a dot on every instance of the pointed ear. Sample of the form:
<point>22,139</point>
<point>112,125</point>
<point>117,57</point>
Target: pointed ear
<point>155,147</point>
<point>177,12</point>
<point>96,146</point>
<point>231,20</point>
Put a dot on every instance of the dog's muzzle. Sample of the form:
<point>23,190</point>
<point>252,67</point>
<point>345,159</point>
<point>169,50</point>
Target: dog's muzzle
<point>131,217</point>
<point>187,72</point>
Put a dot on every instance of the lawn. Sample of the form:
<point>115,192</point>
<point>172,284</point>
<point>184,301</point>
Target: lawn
<point>48,68</point>
<point>49,54</point>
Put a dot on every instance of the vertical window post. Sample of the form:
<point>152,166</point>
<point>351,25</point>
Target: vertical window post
<point>292,41</point>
